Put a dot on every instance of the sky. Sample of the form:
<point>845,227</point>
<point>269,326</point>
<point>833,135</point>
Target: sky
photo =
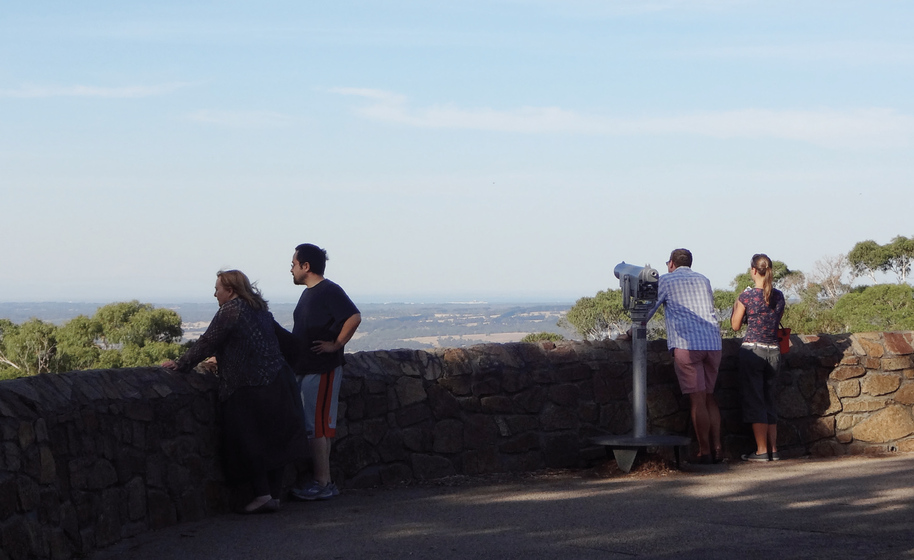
<point>491,150</point>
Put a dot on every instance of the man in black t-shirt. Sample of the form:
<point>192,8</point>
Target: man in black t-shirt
<point>325,320</point>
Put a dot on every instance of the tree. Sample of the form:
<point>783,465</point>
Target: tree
<point>900,256</point>
<point>829,274</point>
<point>603,316</point>
<point>883,307</point>
<point>127,334</point>
<point>137,323</point>
<point>867,258</point>
<point>598,317</point>
<point>31,348</point>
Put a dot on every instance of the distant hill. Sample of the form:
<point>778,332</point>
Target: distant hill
<point>384,326</point>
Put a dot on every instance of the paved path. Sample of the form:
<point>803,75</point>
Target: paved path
<point>848,508</point>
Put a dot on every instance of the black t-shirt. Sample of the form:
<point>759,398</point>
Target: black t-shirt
<point>321,311</point>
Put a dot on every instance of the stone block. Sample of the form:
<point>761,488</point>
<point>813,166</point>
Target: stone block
<point>818,428</point>
<point>564,394</point>
<point>448,437</point>
<point>418,438</point>
<point>571,372</point>
<point>395,473</point>
<point>513,381</point>
<point>429,467</point>
<point>480,431</point>
<point>530,400</point>
<point>373,430</point>
<point>870,362</point>
<point>376,405</point>
<point>410,390</point>
<point>442,402</point>
<point>791,404</point>
<point>353,454</point>
<point>392,448</point>
<point>868,405</point>
<point>355,408</point>
<point>906,445</point>
<point>554,418</point>
<point>870,347</point>
<point>896,343</point>
<point>497,404</point>
<point>522,462</point>
<point>616,417</point>
<point>905,394</point>
<point>846,421</point>
<point>849,388</point>
<point>368,477</point>
<point>878,384</point>
<point>469,404</point>
<point>523,442</point>
<point>661,401</point>
<point>895,363</point>
<point>842,373</point>
<point>893,422</point>
<point>844,437</point>
<point>413,415</point>
<point>825,401</point>
<point>481,461</point>
<point>9,495</point>
<point>517,424</point>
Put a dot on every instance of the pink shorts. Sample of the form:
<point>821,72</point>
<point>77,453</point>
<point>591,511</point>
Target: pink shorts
<point>696,369</point>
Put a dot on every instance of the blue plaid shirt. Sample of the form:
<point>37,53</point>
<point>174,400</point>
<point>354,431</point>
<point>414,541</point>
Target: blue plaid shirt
<point>691,322</point>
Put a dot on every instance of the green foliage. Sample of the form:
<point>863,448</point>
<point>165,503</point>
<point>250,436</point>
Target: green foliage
<point>597,317</point>
<point>900,257</point>
<point>603,316</point>
<point>137,323</point>
<point>542,336</point>
<point>129,334</point>
<point>884,307</point>
<point>867,258</point>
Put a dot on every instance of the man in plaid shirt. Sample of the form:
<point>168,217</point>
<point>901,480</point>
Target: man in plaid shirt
<point>693,337</point>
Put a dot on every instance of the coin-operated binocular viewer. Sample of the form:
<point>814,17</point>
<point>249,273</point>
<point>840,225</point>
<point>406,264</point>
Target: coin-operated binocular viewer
<point>639,295</point>
<point>639,289</point>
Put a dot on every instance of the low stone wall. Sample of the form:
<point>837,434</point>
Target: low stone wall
<point>88,458</point>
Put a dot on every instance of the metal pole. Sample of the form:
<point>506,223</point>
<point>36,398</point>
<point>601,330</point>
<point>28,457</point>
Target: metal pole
<point>639,380</point>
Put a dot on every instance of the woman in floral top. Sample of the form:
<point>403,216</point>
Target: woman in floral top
<point>760,357</point>
<point>261,412</point>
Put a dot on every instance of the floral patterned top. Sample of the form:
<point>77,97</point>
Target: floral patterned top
<point>245,346</point>
<point>763,319</point>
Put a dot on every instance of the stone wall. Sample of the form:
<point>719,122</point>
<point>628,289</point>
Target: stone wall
<point>91,457</point>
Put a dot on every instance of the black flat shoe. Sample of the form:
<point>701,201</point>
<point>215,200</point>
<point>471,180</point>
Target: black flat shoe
<point>270,506</point>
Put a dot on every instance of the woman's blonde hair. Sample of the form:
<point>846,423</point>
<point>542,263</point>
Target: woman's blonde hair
<point>762,265</point>
<point>242,287</point>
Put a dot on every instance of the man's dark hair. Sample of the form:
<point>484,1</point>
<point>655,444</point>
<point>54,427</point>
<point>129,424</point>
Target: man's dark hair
<point>314,256</point>
<point>679,257</point>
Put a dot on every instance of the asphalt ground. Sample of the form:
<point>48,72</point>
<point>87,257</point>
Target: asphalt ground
<point>842,508</point>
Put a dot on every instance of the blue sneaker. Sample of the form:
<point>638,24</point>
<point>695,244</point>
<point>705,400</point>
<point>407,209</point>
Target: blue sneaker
<point>314,491</point>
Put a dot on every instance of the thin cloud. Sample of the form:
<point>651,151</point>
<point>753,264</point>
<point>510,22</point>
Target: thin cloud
<point>120,92</point>
<point>243,119</point>
<point>871,127</point>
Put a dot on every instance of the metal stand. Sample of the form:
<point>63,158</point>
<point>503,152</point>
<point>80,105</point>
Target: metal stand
<point>625,448</point>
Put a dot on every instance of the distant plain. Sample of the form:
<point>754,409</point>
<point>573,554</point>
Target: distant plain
<point>384,326</point>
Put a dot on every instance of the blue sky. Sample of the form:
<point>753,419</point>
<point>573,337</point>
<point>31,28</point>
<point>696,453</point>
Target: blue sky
<point>441,151</point>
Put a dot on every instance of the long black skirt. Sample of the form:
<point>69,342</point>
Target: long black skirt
<point>263,428</point>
